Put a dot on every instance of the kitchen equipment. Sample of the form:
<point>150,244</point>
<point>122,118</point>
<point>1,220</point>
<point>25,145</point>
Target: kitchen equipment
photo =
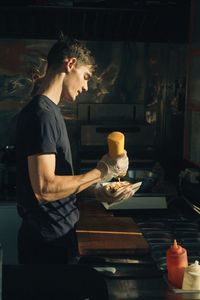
<point>99,120</point>
<point>139,140</point>
<point>146,176</point>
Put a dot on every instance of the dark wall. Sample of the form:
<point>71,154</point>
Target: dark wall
<point>161,26</point>
<point>141,21</point>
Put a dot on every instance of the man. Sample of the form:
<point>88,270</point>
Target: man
<point>46,185</point>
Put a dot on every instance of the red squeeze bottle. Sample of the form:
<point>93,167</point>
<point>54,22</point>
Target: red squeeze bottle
<point>177,261</point>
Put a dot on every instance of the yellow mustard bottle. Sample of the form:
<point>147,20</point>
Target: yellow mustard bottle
<point>116,142</point>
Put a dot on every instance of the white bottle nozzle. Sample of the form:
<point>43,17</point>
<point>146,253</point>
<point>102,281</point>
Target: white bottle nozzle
<point>196,263</point>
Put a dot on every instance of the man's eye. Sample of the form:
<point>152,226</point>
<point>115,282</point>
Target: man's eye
<point>87,77</point>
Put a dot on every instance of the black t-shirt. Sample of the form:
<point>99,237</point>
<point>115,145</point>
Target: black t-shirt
<point>41,130</point>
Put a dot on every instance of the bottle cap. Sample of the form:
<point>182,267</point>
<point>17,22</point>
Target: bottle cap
<point>176,249</point>
<point>194,268</point>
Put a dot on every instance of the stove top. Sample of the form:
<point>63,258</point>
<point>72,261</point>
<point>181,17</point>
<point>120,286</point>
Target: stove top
<point>161,227</point>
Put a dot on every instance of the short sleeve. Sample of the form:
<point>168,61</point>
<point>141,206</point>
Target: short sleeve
<point>43,134</point>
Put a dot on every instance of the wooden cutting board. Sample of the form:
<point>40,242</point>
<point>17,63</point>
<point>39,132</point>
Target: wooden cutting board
<point>92,207</point>
<point>106,234</point>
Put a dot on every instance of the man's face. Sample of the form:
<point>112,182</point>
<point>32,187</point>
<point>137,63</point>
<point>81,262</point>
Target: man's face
<point>76,82</point>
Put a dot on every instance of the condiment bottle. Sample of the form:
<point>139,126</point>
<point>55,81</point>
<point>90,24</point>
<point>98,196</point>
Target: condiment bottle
<point>115,143</point>
<point>191,279</point>
<point>177,261</point>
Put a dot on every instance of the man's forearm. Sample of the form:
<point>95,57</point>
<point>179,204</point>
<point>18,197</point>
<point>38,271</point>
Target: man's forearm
<point>59,187</point>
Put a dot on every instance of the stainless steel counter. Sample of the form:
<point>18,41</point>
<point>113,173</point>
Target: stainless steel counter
<point>145,289</point>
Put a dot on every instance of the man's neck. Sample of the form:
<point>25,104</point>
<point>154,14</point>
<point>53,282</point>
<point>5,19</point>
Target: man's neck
<point>51,87</point>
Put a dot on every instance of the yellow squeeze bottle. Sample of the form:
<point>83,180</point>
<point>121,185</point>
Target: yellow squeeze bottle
<point>115,143</point>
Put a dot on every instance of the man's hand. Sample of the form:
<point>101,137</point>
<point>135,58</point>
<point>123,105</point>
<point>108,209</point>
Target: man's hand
<point>113,167</point>
<point>102,194</point>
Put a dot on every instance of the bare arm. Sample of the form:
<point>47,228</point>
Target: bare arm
<point>50,187</point>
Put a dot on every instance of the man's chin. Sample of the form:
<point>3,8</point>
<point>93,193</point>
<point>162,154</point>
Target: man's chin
<point>68,99</point>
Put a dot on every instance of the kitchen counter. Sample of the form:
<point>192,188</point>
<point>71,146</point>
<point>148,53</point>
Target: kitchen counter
<point>107,234</point>
<point>77,282</point>
<point>152,288</point>
<point>52,282</point>
<point>136,275</point>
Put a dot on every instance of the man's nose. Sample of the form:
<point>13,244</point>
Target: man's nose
<point>85,87</point>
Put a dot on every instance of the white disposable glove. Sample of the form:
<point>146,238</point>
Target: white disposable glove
<point>113,167</point>
<point>122,194</point>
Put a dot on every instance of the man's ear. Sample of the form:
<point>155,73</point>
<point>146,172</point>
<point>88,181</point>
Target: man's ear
<point>70,63</point>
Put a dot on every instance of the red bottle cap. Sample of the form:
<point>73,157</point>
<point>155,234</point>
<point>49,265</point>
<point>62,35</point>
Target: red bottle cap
<point>176,249</point>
